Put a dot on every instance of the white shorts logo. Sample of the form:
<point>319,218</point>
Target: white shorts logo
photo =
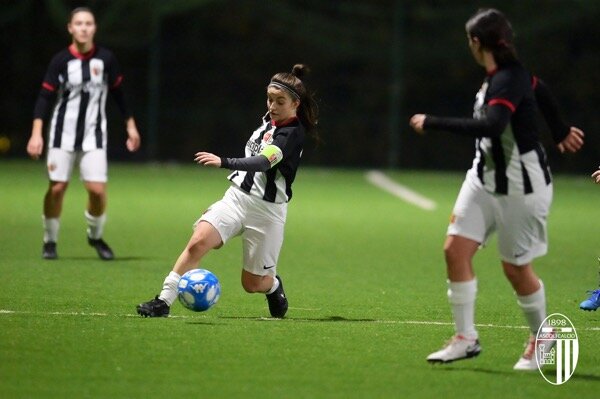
<point>556,344</point>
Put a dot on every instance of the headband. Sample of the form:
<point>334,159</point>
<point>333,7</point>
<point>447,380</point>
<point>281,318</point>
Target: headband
<point>281,85</point>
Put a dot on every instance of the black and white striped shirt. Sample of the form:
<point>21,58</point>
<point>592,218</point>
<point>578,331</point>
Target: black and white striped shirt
<point>80,83</point>
<point>509,158</point>
<point>275,183</point>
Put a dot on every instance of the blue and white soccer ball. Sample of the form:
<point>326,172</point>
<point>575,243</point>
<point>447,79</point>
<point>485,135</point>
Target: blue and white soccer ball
<point>198,290</point>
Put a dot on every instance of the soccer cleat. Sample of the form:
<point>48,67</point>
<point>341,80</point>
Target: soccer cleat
<point>278,304</point>
<point>457,348</point>
<point>527,360</point>
<point>593,302</point>
<point>104,251</point>
<point>49,250</point>
<point>154,308</point>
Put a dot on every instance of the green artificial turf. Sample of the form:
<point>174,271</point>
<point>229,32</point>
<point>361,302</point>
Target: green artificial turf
<point>363,271</point>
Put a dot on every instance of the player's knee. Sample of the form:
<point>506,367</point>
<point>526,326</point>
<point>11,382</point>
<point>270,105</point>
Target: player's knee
<point>451,253</point>
<point>57,189</point>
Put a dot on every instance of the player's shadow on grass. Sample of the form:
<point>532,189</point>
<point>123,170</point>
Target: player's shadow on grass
<point>115,260</point>
<point>534,373</point>
<point>304,319</point>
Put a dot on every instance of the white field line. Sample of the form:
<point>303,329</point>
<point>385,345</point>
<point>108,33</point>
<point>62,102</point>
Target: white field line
<point>418,322</point>
<point>379,179</point>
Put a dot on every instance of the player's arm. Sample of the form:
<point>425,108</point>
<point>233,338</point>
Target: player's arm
<point>269,157</point>
<point>115,80</point>
<point>567,138</point>
<point>46,96</point>
<point>492,125</point>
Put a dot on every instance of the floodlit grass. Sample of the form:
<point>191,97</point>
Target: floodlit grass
<point>363,272</point>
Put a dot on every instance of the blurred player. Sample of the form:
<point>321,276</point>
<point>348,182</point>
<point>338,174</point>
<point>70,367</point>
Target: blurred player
<point>507,190</point>
<point>79,78</point>
<point>255,205</point>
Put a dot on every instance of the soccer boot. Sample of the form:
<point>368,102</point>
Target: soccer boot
<point>278,304</point>
<point>154,308</point>
<point>457,348</point>
<point>104,251</point>
<point>593,302</point>
<point>527,361</point>
<point>49,250</point>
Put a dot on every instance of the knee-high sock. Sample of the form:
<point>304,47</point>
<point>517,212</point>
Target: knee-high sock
<point>95,225</point>
<point>461,296</point>
<point>534,308</point>
<point>51,227</point>
<point>169,290</point>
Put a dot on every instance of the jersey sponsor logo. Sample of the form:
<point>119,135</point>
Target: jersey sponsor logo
<point>254,147</point>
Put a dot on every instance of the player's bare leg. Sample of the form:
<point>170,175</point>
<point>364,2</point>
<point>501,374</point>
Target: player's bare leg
<point>462,289</point>
<point>95,216</point>
<point>532,301</point>
<point>204,238</point>
<point>53,201</point>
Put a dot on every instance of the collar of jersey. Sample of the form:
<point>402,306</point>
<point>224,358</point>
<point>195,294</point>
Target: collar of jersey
<point>84,56</point>
<point>285,122</point>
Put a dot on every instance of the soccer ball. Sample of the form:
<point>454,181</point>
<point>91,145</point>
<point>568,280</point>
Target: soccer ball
<point>198,290</point>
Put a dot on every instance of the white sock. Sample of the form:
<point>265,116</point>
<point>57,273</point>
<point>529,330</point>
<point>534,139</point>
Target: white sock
<point>169,290</point>
<point>95,225</point>
<point>534,308</point>
<point>274,287</point>
<point>461,296</point>
<point>51,227</point>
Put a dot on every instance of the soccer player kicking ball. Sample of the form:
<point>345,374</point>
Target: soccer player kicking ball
<point>255,205</point>
<point>508,189</point>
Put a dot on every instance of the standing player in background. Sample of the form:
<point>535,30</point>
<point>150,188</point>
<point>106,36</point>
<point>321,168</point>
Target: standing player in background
<point>508,189</point>
<point>80,77</point>
<point>255,205</point>
<point>593,302</point>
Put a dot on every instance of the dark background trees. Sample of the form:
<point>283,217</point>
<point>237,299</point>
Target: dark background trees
<point>196,71</point>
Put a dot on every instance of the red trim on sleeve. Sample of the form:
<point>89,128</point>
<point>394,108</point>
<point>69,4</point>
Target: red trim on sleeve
<point>117,82</point>
<point>48,86</point>
<point>504,102</point>
<point>84,56</point>
<point>534,82</point>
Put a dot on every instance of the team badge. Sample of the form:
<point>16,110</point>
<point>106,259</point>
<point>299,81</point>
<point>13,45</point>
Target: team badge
<point>556,344</point>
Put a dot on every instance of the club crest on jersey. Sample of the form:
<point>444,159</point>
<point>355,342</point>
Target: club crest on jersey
<point>96,71</point>
<point>268,137</point>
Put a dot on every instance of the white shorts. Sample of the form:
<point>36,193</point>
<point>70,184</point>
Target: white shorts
<point>92,165</point>
<point>260,223</point>
<point>520,221</point>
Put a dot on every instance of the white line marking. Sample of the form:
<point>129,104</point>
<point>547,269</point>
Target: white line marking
<point>422,322</point>
<point>380,180</point>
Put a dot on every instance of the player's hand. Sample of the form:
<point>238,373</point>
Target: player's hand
<point>596,176</point>
<point>133,141</point>
<point>573,142</point>
<point>35,146</point>
<point>133,136</point>
<point>416,122</point>
<point>207,159</point>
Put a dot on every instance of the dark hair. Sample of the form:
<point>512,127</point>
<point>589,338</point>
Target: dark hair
<point>80,9</point>
<point>308,110</point>
<point>495,34</point>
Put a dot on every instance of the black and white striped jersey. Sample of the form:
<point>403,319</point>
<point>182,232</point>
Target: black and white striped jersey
<point>509,158</point>
<point>80,83</point>
<point>274,184</point>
